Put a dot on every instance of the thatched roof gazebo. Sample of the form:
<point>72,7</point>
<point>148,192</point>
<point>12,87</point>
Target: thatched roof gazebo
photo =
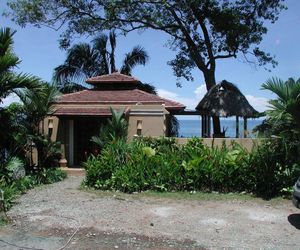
<point>224,100</point>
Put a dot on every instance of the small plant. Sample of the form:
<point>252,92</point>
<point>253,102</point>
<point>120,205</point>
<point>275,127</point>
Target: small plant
<point>115,129</point>
<point>48,176</point>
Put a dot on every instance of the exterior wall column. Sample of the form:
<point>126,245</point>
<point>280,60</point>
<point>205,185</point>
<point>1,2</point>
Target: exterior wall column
<point>71,142</point>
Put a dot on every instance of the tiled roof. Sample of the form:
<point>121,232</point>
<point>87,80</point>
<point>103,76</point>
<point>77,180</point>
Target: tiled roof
<point>110,97</point>
<point>82,111</point>
<point>115,77</point>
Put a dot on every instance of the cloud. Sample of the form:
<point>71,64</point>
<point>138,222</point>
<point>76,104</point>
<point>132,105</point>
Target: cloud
<point>200,91</point>
<point>166,94</point>
<point>258,103</point>
<point>190,103</point>
<point>10,99</point>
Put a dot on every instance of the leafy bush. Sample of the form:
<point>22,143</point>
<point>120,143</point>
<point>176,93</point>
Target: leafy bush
<point>49,152</point>
<point>160,164</point>
<point>12,189</point>
<point>50,175</point>
<point>115,129</point>
<point>275,168</point>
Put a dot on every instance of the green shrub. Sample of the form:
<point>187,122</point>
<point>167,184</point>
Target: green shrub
<point>12,187</point>
<point>50,175</point>
<point>274,167</point>
<point>162,165</point>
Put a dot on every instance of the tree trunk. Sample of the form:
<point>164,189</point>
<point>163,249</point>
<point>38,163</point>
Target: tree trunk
<point>210,81</point>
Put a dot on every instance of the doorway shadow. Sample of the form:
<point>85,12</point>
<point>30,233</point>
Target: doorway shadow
<point>294,220</point>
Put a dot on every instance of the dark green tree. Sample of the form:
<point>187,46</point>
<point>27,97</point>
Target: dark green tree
<point>201,31</point>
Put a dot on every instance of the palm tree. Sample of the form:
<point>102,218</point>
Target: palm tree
<point>87,60</point>
<point>37,105</point>
<point>285,110</point>
<point>9,80</point>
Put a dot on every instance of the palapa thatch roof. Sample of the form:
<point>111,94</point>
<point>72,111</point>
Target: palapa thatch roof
<point>225,99</point>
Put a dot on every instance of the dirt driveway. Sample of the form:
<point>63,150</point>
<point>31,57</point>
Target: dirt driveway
<point>48,216</point>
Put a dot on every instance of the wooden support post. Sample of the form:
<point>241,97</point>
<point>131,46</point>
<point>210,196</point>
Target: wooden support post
<point>237,126</point>
<point>245,127</point>
<point>202,126</point>
<point>208,126</point>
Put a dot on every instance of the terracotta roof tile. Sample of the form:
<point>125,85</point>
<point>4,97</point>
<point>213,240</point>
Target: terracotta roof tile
<point>118,97</point>
<point>115,77</point>
<point>82,111</point>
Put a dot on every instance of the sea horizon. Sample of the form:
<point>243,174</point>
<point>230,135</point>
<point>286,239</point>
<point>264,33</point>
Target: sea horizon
<point>192,127</point>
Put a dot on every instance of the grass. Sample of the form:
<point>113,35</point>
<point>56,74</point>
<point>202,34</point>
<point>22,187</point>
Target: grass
<point>185,196</point>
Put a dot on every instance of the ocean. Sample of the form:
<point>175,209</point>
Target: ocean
<point>190,128</point>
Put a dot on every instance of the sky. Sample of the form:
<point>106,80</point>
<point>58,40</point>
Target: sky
<point>39,52</point>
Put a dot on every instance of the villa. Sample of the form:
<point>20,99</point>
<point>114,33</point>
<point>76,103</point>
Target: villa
<point>78,116</point>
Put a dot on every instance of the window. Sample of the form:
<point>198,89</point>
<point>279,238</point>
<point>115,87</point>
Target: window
<point>139,127</point>
<point>50,127</point>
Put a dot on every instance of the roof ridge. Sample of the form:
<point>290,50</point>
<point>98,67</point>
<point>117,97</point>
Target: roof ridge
<point>115,77</point>
<point>165,99</point>
<point>68,94</point>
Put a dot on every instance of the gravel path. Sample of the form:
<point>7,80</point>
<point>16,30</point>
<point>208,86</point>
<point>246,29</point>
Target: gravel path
<point>47,216</point>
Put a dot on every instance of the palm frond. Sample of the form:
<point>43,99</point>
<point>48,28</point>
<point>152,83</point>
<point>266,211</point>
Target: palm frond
<point>98,140</point>
<point>82,62</point>
<point>70,87</point>
<point>284,111</point>
<point>67,72</point>
<point>278,87</point>
<point>7,62</point>
<point>138,56</point>
<point>6,40</point>
<point>38,104</point>
<point>11,82</point>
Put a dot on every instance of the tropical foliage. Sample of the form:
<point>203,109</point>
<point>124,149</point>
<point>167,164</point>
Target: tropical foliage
<point>162,165</point>
<point>11,81</point>
<point>115,129</point>
<point>284,112</point>
<point>19,127</point>
<point>283,116</point>
<point>15,181</point>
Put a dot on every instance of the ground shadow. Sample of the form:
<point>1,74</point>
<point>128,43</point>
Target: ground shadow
<point>294,219</point>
